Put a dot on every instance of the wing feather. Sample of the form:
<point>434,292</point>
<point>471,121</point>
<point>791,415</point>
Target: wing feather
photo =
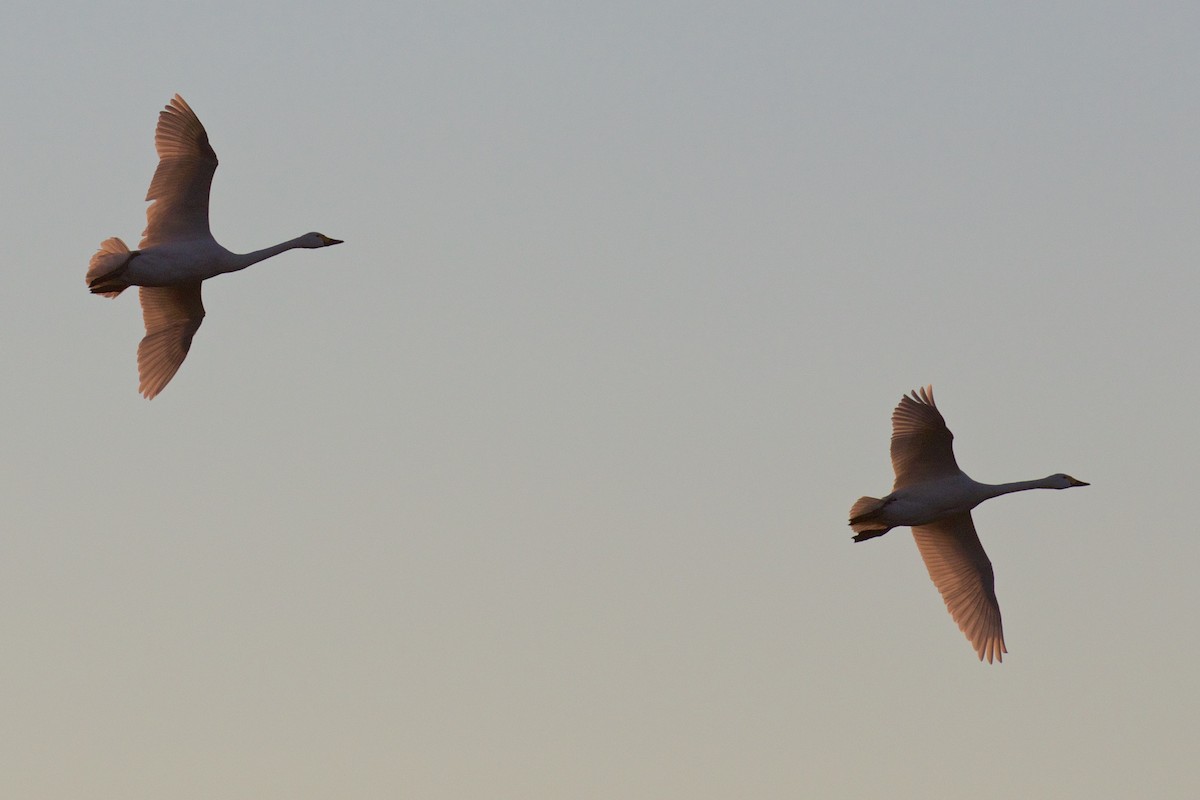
<point>961,571</point>
<point>172,315</point>
<point>922,445</point>
<point>180,187</point>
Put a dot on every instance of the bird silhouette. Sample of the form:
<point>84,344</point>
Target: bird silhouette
<point>178,251</point>
<point>934,497</point>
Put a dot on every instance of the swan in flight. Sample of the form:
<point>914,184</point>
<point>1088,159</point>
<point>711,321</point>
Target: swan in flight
<point>178,251</point>
<point>934,497</point>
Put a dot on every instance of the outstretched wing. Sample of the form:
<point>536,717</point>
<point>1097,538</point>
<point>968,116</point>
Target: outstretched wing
<point>961,571</point>
<point>922,445</point>
<point>179,190</point>
<point>172,315</point>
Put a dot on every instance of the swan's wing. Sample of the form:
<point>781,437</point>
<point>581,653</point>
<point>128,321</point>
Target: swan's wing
<point>172,315</point>
<point>963,574</point>
<point>179,190</point>
<point>922,445</point>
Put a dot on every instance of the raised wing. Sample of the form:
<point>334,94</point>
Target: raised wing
<point>172,315</point>
<point>179,190</point>
<point>961,571</point>
<point>922,445</point>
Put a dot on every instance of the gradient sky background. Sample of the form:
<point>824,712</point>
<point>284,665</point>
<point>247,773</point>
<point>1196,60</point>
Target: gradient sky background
<point>537,486</point>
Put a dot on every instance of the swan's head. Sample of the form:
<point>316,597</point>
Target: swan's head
<point>314,240</point>
<point>1063,481</point>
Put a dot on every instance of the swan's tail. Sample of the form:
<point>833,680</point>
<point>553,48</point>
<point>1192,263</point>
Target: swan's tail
<point>865,518</point>
<point>106,271</point>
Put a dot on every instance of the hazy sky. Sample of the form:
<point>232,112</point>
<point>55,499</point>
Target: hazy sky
<point>537,486</point>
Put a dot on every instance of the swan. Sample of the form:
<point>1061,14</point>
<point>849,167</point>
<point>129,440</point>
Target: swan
<point>934,497</point>
<point>177,251</point>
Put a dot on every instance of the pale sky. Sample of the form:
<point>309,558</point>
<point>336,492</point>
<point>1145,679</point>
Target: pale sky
<point>536,488</point>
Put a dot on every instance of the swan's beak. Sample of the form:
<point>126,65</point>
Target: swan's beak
<point>1077,482</point>
<point>329,241</point>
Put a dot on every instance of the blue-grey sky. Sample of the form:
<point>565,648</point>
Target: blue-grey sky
<point>537,486</point>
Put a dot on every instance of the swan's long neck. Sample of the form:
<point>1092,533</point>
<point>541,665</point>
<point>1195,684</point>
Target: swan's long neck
<point>242,260</point>
<point>996,489</point>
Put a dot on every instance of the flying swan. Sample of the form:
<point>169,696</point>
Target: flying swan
<point>178,251</point>
<point>934,497</point>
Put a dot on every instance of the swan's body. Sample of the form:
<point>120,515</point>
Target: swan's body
<point>177,251</point>
<point>934,497</point>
